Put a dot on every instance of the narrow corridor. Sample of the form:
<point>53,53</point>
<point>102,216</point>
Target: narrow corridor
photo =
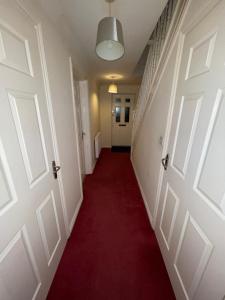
<point>112,252</point>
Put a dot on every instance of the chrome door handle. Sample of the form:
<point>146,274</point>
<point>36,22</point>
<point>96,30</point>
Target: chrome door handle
<point>165,162</point>
<point>55,169</point>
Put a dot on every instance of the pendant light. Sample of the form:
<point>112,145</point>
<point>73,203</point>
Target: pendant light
<point>112,88</point>
<point>110,45</point>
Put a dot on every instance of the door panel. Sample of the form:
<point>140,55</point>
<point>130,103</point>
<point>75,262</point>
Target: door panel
<point>30,211</point>
<point>191,218</point>
<point>27,119</point>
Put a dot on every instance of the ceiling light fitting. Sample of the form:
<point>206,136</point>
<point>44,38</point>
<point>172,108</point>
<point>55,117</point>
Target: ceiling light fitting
<point>112,88</point>
<point>110,44</point>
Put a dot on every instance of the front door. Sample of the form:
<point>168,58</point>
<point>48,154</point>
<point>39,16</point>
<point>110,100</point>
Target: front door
<point>191,218</point>
<point>31,223</point>
<point>122,119</point>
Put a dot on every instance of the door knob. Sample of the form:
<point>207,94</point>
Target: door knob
<point>165,162</point>
<point>55,169</point>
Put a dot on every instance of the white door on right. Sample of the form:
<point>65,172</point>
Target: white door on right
<point>191,217</point>
<point>122,119</point>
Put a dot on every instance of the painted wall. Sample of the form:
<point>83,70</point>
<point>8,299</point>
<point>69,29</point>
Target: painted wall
<point>148,145</point>
<point>105,100</point>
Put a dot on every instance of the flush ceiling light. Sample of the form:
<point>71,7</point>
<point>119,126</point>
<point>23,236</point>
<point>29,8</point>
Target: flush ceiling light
<point>112,88</point>
<point>110,45</point>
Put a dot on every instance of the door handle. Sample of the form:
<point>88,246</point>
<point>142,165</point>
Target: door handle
<point>165,162</point>
<point>55,169</point>
<point>83,134</point>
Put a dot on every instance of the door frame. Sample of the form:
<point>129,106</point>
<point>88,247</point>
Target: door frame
<point>80,131</point>
<point>76,125</point>
<point>86,125</point>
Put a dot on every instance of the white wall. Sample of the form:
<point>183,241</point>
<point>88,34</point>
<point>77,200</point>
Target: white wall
<point>105,100</point>
<point>148,145</point>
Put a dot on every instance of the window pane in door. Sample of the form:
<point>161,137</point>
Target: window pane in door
<point>127,100</point>
<point>117,100</point>
<point>127,114</point>
<point>118,111</point>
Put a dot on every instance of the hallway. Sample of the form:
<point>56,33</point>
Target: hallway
<point>112,252</point>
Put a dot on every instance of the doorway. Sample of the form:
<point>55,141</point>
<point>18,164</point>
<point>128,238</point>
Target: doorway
<point>122,120</point>
<point>80,129</point>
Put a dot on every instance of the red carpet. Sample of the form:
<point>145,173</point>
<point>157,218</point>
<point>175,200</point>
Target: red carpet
<point>112,253</point>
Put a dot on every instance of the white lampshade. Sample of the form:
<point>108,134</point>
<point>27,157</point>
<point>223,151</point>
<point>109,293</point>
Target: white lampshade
<point>110,45</point>
<point>112,88</point>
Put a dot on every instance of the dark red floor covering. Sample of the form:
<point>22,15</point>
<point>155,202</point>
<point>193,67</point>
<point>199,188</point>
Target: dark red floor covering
<point>112,253</point>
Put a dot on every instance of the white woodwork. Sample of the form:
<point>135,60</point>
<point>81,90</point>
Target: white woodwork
<point>32,233</point>
<point>49,226</point>
<point>190,196</point>
<point>98,144</point>
<point>122,130</point>
<point>14,50</point>
<point>15,257</point>
<point>80,131</point>
<point>186,126</point>
<point>190,265</point>
<point>210,184</point>
<point>8,196</point>
<point>27,118</point>
<point>58,68</point>
<point>85,117</point>
<point>169,213</point>
<point>200,56</point>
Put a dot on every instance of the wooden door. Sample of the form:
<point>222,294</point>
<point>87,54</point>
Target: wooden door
<point>191,219</point>
<point>31,221</point>
<point>122,119</point>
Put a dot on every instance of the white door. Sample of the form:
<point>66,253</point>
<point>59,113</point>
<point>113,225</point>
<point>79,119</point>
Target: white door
<point>81,132</point>
<point>191,218</point>
<point>31,230</point>
<point>122,119</point>
<point>85,117</point>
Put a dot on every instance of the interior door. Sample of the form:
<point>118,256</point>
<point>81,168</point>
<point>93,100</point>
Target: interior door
<point>31,223</point>
<point>191,218</point>
<point>81,132</point>
<point>122,119</point>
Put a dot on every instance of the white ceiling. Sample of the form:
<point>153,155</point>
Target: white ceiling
<point>138,18</point>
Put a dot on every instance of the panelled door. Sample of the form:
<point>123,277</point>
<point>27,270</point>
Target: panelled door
<point>31,223</point>
<point>191,217</point>
<point>122,119</point>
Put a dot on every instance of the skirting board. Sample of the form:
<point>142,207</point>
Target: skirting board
<point>75,215</point>
<point>143,195</point>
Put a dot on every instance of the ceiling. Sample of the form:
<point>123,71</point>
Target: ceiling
<point>138,18</point>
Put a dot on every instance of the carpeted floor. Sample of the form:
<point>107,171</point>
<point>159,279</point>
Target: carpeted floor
<point>112,253</point>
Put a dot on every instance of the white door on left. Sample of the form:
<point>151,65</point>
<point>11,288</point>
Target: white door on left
<point>31,230</point>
